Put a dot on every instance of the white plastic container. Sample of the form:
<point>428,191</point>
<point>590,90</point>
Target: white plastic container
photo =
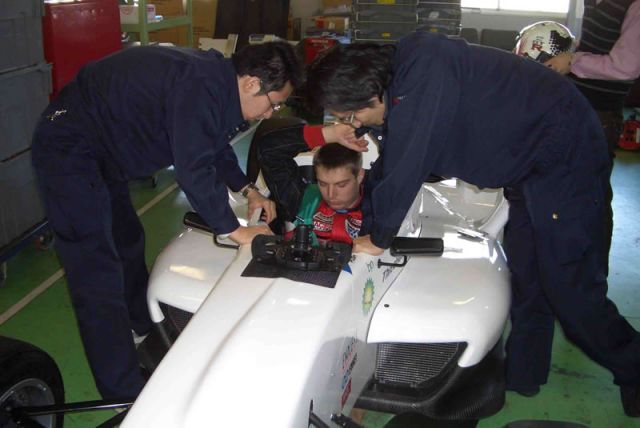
<point>129,13</point>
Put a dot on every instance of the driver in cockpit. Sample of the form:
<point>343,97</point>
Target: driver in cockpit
<point>333,203</point>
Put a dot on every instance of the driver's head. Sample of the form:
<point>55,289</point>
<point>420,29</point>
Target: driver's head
<point>339,174</point>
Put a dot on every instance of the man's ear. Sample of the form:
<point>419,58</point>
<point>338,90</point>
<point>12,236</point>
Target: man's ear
<point>360,176</point>
<point>249,84</point>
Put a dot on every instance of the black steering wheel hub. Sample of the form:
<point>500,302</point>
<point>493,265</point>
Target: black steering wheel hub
<point>299,253</point>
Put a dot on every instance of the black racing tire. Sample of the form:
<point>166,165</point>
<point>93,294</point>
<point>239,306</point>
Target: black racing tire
<point>28,377</point>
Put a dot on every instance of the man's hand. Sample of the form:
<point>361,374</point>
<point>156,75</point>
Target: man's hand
<point>257,201</point>
<point>363,244</point>
<point>560,63</point>
<point>346,135</point>
<point>244,235</point>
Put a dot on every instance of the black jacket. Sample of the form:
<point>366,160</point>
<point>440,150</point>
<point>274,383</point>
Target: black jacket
<point>147,108</point>
<point>476,113</point>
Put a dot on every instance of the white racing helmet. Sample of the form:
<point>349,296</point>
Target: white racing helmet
<point>544,40</point>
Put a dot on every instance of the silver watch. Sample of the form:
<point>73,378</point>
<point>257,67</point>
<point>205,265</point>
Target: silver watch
<point>249,187</point>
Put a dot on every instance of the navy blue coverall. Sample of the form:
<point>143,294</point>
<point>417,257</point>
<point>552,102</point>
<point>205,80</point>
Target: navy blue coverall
<point>127,116</point>
<point>497,120</point>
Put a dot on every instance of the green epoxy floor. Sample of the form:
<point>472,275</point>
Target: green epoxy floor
<point>578,389</point>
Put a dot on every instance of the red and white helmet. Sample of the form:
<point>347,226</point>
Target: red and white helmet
<point>544,40</point>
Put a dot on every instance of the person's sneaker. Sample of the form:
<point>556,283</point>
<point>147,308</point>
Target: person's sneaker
<point>525,391</point>
<point>630,396</point>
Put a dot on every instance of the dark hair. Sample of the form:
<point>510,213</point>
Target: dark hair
<point>274,63</point>
<point>346,77</point>
<point>334,155</point>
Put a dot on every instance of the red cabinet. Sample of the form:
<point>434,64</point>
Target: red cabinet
<point>77,32</point>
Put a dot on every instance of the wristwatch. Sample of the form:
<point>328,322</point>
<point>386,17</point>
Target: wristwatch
<point>249,187</point>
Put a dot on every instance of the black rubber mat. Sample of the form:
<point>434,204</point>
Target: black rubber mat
<point>260,270</point>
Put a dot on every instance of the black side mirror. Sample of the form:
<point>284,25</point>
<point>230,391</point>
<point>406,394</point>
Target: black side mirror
<point>403,246</point>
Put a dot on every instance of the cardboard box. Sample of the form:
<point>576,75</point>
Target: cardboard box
<point>177,36</point>
<point>170,7</point>
<point>129,13</point>
<point>204,19</point>
<point>334,23</point>
<point>330,4</point>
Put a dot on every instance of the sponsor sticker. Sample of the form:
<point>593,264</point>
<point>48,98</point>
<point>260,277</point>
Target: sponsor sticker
<point>367,296</point>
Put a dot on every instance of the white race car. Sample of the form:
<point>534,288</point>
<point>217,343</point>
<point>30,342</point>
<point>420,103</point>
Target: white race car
<point>402,332</point>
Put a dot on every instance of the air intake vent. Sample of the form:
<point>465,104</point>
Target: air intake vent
<point>414,364</point>
<point>177,317</point>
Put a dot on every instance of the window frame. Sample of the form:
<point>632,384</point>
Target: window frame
<point>500,9</point>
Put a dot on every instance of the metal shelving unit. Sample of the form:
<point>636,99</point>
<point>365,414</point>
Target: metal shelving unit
<point>143,28</point>
<point>387,21</point>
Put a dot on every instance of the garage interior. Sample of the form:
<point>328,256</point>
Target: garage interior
<point>34,302</point>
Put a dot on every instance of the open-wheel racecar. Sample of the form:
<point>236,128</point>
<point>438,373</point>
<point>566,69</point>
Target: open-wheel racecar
<point>417,329</point>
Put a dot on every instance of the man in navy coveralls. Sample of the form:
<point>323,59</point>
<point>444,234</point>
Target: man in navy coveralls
<point>127,116</point>
<point>496,120</point>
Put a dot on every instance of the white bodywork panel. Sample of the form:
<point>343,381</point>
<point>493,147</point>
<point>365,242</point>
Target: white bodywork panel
<point>258,351</point>
<point>458,297</point>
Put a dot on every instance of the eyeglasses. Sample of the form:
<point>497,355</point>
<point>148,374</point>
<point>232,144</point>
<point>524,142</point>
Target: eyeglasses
<point>347,120</point>
<point>274,107</point>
